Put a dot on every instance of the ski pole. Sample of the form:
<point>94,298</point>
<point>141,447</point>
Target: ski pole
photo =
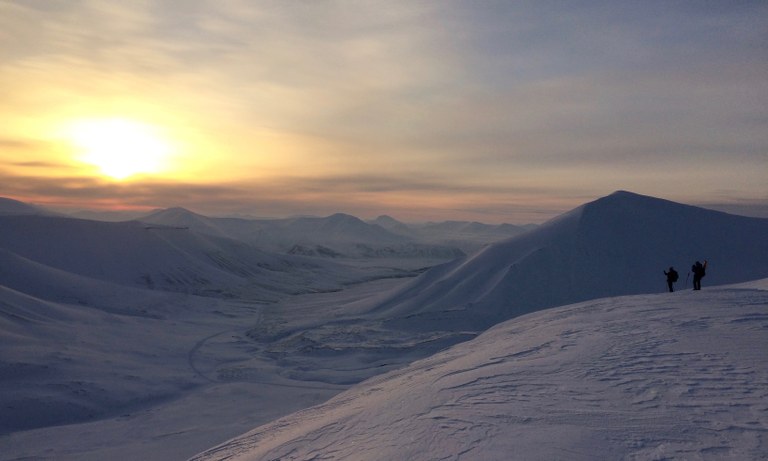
<point>686,279</point>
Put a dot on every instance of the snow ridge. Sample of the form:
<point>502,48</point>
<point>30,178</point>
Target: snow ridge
<point>613,246</point>
<point>679,376</point>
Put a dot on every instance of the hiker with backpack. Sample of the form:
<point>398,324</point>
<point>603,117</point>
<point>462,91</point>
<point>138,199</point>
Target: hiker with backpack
<point>672,277</point>
<point>699,271</point>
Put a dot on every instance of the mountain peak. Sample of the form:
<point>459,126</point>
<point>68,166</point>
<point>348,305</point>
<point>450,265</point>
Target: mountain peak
<point>178,209</point>
<point>342,217</point>
<point>174,213</point>
<point>612,246</point>
<point>386,219</point>
<point>628,197</point>
<point>624,203</point>
<point>625,193</point>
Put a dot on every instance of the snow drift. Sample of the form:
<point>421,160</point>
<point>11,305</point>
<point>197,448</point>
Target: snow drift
<point>617,245</point>
<point>671,376</point>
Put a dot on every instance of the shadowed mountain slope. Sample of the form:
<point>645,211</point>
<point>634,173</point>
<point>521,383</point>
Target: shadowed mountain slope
<point>617,245</point>
<point>165,258</point>
<point>14,207</point>
<point>332,236</point>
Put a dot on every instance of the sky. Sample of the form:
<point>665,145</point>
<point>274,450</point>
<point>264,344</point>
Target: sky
<point>495,111</point>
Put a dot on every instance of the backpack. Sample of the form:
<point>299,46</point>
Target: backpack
<point>673,275</point>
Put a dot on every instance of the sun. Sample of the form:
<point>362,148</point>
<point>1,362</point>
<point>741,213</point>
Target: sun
<point>120,148</point>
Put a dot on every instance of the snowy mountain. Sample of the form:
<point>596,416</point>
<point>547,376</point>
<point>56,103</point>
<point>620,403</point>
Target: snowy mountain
<point>339,230</point>
<point>337,235</point>
<point>183,218</point>
<point>458,230</point>
<point>135,255</point>
<point>14,207</point>
<point>465,235</point>
<point>393,225</point>
<point>669,376</point>
<point>617,245</point>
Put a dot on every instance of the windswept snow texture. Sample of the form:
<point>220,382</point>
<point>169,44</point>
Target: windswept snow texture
<point>651,377</point>
<point>617,245</point>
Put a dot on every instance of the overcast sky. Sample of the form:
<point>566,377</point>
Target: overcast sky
<point>496,111</point>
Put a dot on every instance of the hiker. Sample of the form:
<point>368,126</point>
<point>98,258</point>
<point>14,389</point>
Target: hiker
<point>699,270</point>
<point>671,278</point>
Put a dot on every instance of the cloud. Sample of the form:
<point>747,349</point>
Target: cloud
<point>365,196</point>
<point>39,164</point>
<point>489,101</point>
<point>14,143</point>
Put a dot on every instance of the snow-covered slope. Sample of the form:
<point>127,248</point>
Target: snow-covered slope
<point>14,207</point>
<point>620,244</point>
<point>650,377</point>
<point>64,363</point>
<point>165,258</point>
<point>465,235</point>
<point>393,225</point>
<point>336,235</point>
<point>337,228</point>
<point>56,285</point>
<point>470,231</point>
<point>182,218</point>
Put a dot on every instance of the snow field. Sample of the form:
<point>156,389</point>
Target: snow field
<point>673,376</point>
<point>155,342</point>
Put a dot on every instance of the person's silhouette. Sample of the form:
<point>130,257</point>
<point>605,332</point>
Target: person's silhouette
<point>672,277</point>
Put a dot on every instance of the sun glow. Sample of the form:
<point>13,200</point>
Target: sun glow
<point>121,148</point>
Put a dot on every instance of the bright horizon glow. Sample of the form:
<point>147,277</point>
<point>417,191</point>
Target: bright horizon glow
<point>120,148</point>
<point>312,108</point>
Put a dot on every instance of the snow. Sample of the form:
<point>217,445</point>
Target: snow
<point>167,258</point>
<point>337,235</point>
<point>671,376</point>
<point>617,245</point>
<point>97,362</point>
<point>14,207</point>
<point>465,235</point>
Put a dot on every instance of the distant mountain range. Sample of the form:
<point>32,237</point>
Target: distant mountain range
<point>178,250</point>
<point>469,236</point>
<point>343,235</point>
<point>49,249</point>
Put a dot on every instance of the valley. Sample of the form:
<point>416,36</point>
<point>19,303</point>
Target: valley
<point>160,340</point>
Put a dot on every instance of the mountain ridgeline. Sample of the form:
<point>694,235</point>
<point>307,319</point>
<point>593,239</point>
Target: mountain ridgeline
<point>334,236</point>
<point>61,258</point>
<point>617,245</point>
